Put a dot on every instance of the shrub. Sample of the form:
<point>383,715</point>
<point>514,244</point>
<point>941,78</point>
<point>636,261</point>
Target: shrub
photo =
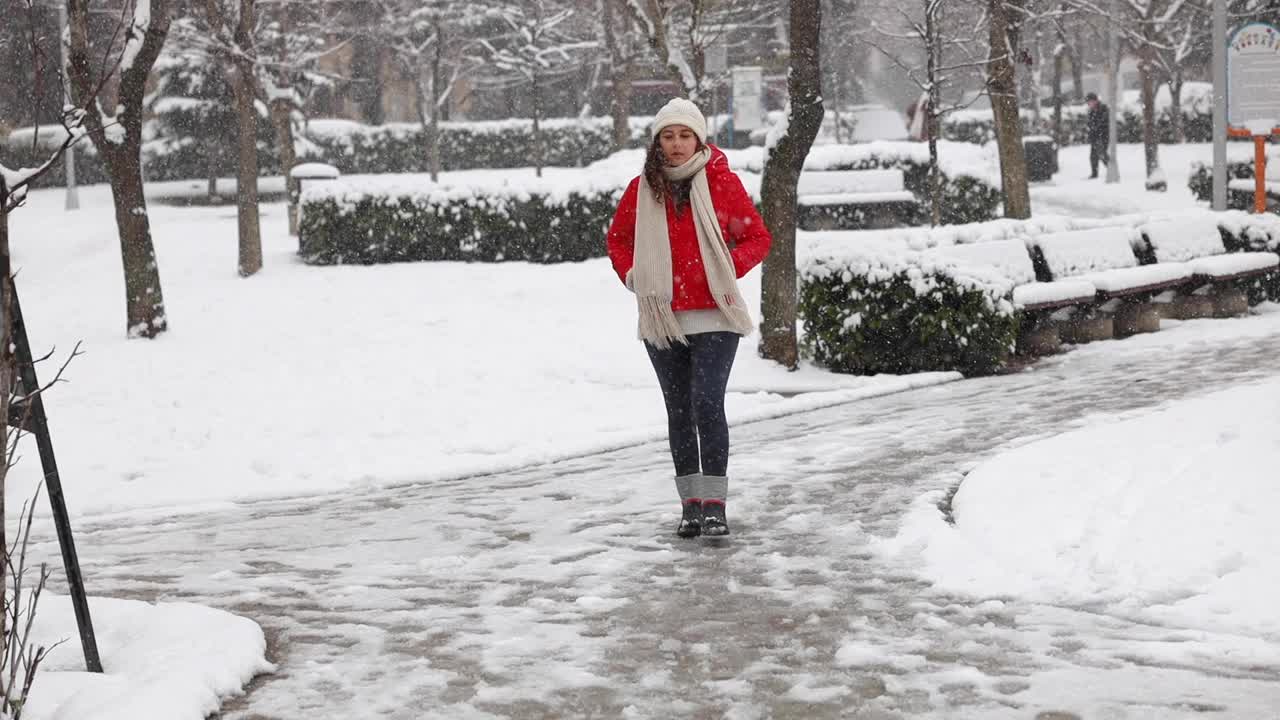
<point>901,314</point>
<point>967,196</point>
<point>402,147</point>
<point>343,226</point>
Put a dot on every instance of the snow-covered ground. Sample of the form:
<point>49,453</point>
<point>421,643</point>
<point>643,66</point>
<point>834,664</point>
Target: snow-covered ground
<point>176,661</point>
<point>306,380</point>
<point>312,379</point>
<point>1168,514</point>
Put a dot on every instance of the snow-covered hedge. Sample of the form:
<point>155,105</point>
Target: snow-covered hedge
<point>347,223</point>
<point>970,192</point>
<point>901,312</point>
<point>402,147</point>
<point>903,301</point>
<point>977,126</point>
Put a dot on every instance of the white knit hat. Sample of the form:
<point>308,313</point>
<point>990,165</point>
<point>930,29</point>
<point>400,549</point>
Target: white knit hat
<point>681,112</point>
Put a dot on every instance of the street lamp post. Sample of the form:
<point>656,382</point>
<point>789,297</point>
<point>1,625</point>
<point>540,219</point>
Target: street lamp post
<point>1219,105</point>
<point>68,157</point>
<point>1113,92</point>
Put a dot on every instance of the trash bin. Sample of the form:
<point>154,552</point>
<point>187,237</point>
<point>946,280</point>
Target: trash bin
<point>1042,157</point>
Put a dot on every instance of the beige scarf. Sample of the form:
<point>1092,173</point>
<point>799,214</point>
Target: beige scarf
<point>652,274</point>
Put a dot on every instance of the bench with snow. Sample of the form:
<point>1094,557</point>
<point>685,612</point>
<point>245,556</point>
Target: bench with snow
<point>854,200</point>
<point>1034,300</point>
<point>1217,276</point>
<point>1125,289</point>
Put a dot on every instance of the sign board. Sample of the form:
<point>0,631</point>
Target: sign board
<point>748,98</point>
<point>715,59</point>
<point>1253,77</point>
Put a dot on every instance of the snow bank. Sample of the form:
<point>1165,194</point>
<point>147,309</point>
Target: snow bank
<point>1169,514</point>
<point>176,661</point>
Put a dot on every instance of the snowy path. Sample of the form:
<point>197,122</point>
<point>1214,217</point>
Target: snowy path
<point>559,592</point>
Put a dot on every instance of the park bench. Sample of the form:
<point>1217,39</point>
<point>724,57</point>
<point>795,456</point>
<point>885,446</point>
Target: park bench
<point>1106,258</point>
<point>854,199</point>
<point>1216,274</point>
<point>1034,299</point>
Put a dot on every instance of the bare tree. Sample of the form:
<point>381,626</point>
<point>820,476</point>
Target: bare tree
<point>948,46</point>
<point>679,32</point>
<point>618,30</point>
<point>541,45</point>
<point>437,42</point>
<point>224,30</point>
<point>1003,22</point>
<point>118,140</point>
<point>789,146</point>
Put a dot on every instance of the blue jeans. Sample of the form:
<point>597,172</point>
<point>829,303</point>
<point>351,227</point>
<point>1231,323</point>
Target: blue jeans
<point>693,379</point>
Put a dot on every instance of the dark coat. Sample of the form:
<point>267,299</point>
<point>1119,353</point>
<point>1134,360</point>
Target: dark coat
<point>1098,130</point>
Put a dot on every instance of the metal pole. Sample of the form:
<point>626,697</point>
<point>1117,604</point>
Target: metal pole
<point>1219,44</point>
<point>38,424</point>
<point>1113,92</point>
<point>68,157</point>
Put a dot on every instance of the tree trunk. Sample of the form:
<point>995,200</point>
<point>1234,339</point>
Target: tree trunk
<point>247,172</point>
<point>1059,60</point>
<point>620,77</point>
<point>1175,106</point>
<point>144,303</point>
<point>212,151</point>
<point>933,42</point>
<point>1003,88</point>
<point>282,123</point>
<point>434,163</point>
<point>537,127</point>
<point>778,185</point>
<point>621,107</point>
<point>1077,70</point>
<point>144,300</point>
<point>1150,146</point>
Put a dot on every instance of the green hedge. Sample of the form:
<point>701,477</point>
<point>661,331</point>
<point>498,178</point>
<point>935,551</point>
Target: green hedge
<point>368,228</point>
<point>865,318</point>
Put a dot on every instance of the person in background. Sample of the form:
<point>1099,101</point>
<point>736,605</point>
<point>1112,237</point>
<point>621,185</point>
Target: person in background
<point>1098,133</point>
<point>684,232</point>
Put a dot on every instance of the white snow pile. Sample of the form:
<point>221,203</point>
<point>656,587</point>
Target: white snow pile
<point>954,158</point>
<point>473,186</point>
<point>1168,514</point>
<point>176,661</point>
<point>879,263</point>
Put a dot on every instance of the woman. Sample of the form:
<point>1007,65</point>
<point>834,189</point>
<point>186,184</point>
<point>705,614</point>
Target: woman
<point>684,232</point>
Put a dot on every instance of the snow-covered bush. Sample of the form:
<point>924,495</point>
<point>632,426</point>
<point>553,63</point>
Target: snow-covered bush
<point>904,311</point>
<point>344,224</point>
<point>402,147</point>
<point>970,193</point>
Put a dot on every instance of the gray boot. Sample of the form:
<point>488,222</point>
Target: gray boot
<point>690,505</point>
<point>712,490</point>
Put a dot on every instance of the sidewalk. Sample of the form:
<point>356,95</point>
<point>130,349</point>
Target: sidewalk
<point>560,592</point>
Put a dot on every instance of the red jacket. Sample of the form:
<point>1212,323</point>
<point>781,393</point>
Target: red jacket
<point>744,231</point>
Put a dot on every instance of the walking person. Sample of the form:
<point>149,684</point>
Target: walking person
<point>1098,133</point>
<point>684,232</point>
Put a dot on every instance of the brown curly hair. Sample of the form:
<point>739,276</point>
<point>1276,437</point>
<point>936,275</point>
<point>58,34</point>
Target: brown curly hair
<point>654,162</point>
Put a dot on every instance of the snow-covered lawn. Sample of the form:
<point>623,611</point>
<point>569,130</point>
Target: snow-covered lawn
<point>175,661</point>
<point>314,379</point>
<point>1169,515</point>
